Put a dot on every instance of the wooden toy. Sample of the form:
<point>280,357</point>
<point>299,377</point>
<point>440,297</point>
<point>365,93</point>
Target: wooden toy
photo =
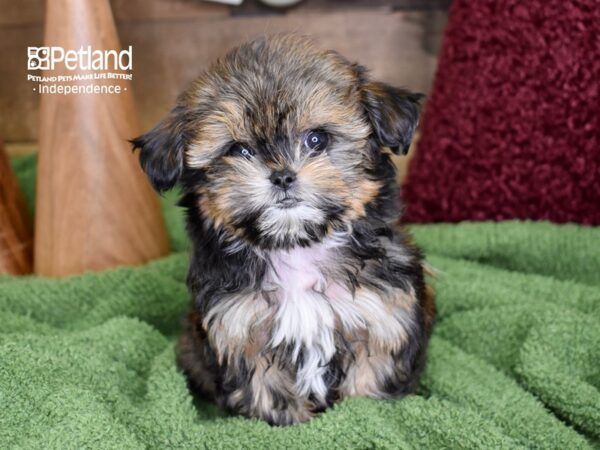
<point>94,208</point>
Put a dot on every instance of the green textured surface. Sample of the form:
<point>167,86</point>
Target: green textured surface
<point>88,361</point>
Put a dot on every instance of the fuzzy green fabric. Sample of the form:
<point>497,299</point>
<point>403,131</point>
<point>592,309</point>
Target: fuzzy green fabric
<point>88,361</point>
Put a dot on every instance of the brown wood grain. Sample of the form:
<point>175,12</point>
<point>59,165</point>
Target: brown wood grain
<point>16,234</point>
<point>94,208</point>
<point>256,7</point>
<point>31,12</point>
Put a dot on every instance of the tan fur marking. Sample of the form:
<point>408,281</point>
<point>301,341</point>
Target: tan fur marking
<point>322,175</point>
<point>366,192</point>
<point>367,374</point>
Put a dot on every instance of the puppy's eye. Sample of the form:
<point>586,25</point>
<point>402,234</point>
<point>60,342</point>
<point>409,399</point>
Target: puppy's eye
<point>238,149</point>
<point>316,141</point>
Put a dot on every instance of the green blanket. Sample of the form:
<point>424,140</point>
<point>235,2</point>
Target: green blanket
<point>514,362</point>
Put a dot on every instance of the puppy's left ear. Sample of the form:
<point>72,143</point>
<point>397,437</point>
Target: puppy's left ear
<point>162,150</point>
<point>393,113</point>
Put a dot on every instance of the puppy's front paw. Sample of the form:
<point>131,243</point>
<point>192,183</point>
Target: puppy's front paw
<point>288,416</point>
<point>269,394</point>
<point>272,407</point>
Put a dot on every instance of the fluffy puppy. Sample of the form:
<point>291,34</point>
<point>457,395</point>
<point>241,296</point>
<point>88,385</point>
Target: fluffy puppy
<point>304,290</point>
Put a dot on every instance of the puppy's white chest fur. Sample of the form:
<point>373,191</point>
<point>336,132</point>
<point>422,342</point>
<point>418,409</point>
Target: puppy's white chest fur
<point>300,270</point>
<point>304,318</point>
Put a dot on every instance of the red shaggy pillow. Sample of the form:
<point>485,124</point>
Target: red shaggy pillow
<point>512,129</point>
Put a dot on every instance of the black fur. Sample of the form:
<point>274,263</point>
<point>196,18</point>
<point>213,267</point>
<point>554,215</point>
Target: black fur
<point>162,150</point>
<point>394,113</point>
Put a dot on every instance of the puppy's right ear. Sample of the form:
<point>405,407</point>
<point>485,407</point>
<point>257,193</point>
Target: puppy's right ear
<point>393,113</point>
<point>162,150</point>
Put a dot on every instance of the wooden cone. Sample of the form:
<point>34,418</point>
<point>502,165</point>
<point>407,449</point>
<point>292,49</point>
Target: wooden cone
<point>16,235</point>
<point>95,209</point>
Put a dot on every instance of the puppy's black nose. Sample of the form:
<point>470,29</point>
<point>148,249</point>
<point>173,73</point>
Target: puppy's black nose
<point>283,178</point>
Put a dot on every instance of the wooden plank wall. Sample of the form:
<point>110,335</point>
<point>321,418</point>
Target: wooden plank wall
<point>174,40</point>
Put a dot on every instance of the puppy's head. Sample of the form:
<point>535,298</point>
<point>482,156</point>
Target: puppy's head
<point>279,142</point>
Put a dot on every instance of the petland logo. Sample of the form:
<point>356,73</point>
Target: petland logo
<point>93,71</point>
<point>46,58</point>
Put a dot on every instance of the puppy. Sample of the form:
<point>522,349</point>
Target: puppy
<point>304,290</point>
